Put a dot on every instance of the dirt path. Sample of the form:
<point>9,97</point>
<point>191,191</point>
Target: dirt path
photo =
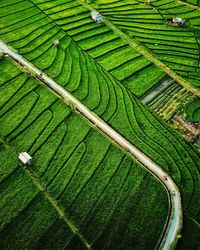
<point>174,220</point>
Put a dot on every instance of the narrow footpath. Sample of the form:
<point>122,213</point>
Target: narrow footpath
<point>174,221</point>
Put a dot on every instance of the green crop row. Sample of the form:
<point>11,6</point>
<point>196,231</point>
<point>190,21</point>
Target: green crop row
<point>194,2</point>
<point>27,220</point>
<point>169,35</point>
<point>192,111</point>
<point>161,99</point>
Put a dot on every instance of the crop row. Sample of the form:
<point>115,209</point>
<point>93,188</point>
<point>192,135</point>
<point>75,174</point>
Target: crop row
<point>193,2</point>
<point>192,111</point>
<point>50,56</point>
<point>132,68</point>
<point>152,94</point>
<point>162,98</point>
<point>172,105</point>
<point>91,180</point>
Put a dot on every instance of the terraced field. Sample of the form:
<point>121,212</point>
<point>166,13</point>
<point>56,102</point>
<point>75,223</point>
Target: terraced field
<point>103,71</point>
<point>94,183</point>
<point>133,70</point>
<point>176,47</point>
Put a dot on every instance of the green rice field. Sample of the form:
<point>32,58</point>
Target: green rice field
<point>83,191</point>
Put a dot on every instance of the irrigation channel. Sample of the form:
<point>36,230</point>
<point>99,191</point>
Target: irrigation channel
<point>173,224</point>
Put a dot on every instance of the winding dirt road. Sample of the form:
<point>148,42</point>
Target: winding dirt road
<point>174,221</point>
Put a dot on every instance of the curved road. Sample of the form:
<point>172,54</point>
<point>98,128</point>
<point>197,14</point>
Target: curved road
<point>174,221</point>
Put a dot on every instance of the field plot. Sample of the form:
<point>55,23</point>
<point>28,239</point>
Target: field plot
<point>133,70</point>
<point>100,69</point>
<point>97,186</point>
<point>167,98</point>
<point>161,94</point>
<point>177,47</point>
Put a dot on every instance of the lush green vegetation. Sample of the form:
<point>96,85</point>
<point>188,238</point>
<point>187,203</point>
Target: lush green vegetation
<point>157,97</point>
<point>27,219</point>
<point>167,98</point>
<point>196,3</point>
<point>89,62</point>
<point>96,185</point>
<point>192,111</point>
<point>177,47</point>
<point>75,20</point>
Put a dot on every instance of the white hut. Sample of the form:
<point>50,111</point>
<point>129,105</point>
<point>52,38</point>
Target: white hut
<point>56,42</point>
<point>178,21</point>
<point>149,2</point>
<point>96,16</point>
<point>25,158</point>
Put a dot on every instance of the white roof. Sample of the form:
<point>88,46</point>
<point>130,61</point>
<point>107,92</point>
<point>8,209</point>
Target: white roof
<point>56,42</point>
<point>96,16</point>
<point>178,19</point>
<point>25,158</point>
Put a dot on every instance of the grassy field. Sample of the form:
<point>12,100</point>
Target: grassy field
<point>101,70</point>
<point>95,184</point>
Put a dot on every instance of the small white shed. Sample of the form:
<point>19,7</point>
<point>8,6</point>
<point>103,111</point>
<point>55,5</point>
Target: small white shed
<point>177,21</point>
<point>96,16</point>
<point>25,158</point>
<point>56,42</point>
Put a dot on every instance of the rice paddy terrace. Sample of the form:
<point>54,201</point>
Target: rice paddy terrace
<point>82,191</point>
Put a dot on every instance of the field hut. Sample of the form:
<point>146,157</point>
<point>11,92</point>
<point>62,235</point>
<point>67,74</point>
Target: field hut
<point>177,21</point>
<point>25,158</point>
<point>56,42</point>
<point>96,16</point>
<point>149,2</point>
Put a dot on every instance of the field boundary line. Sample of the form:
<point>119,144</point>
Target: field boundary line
<point>143,51</point>
<point>174,222</point>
